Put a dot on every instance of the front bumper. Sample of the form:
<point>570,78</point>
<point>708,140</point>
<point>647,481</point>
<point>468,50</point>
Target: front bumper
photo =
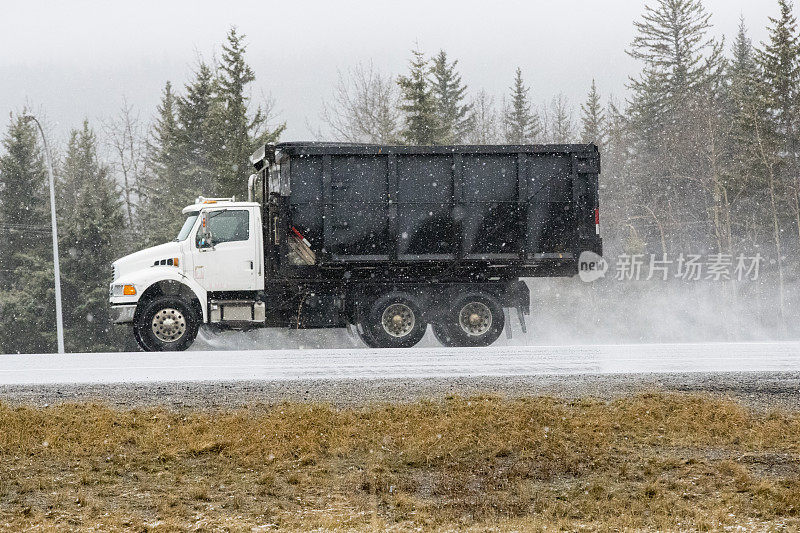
<point>122,314</point>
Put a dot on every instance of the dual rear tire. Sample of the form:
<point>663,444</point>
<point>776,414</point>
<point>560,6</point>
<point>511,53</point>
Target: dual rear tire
<point>471,320</point>
<point>398,320</point>
<point>395,320</point>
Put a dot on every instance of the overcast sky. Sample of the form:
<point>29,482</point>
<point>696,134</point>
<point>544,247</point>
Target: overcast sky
<point>76,59</point>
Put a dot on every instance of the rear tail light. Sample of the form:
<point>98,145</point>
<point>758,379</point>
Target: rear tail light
<point>597,220</point>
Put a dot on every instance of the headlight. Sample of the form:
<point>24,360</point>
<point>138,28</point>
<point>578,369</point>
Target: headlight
<point>123,290</point>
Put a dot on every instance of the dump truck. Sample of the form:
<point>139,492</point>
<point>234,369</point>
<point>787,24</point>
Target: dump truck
<point>382,240</point>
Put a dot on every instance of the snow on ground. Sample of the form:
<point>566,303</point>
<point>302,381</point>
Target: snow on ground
<point>418,363</point>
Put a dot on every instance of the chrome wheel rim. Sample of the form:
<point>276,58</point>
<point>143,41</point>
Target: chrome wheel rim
<point>168,325</point>
<point>475,319</point>
<point>398,320</point>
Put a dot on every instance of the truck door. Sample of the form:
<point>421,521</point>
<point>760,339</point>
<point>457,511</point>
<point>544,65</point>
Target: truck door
<point>228,262</point>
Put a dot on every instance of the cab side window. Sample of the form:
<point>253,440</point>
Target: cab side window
<point>229,226</point>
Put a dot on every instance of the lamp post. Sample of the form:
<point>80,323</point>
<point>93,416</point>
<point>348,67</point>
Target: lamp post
<point>56,267</point>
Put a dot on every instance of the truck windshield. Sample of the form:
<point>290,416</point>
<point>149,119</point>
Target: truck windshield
<point>191,218</point>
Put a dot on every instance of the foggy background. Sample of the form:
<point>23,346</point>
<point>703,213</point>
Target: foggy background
<point>661,185</point>
<point>78,59</point>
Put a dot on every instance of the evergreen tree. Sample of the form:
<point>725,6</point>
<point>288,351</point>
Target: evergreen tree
<point>27,302</point>
<point>742,70</point>
<point>453,114</point>
<point>418,103</point>
<point>593,119</point>
<point>676,108</point>
<point>781,72</point>
<point>679,60</point>
<point>194,127</point>
<point>23,200</point>
<point>521,125</point>
<point>167,189</point>
<point>240,130</point>
<point>92,220</point>
<point>744,107</point>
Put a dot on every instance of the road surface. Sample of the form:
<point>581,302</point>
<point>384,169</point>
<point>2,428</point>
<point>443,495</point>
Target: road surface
<point>280,365</point>
<point>353,375</point>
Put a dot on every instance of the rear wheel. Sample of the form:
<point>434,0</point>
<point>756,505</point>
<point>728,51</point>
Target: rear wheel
<point>475,319</point>
<point>167,323</point>
<point>394,321</point>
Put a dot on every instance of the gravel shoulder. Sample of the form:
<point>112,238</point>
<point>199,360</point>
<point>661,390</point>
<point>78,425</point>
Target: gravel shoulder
<point>760,390</point>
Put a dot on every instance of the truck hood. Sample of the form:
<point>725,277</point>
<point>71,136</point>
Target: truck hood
<point>145,258</point>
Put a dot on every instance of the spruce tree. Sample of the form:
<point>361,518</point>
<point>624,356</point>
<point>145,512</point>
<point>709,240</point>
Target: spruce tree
<point>418,103</point>
<point>241,128</point>
<point>675,117</point>
<point>167,188</point>
<point>593,119</point>
<point>779,62</point>
<point>453,114</point>
<point>194,111</point>
<point>744,107</point>
<point>521,125</point>
<point>92,220</point>
<point>679,59</point>
<point>27,301</point>
<point>22,196</point>
<point>743,86</point>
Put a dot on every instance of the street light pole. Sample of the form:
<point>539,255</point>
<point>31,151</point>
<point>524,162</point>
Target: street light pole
<point>56,266</point>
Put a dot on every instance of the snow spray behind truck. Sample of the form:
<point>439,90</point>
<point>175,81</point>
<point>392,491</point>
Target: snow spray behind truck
<point>385,240</point>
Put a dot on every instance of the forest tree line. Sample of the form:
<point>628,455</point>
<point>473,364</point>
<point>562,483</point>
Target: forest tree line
<point>702,156</point>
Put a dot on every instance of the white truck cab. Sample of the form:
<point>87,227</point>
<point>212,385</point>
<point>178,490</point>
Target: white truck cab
<point>219,249</point>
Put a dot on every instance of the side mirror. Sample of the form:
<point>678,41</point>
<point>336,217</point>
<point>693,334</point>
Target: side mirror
<point>205,240</point>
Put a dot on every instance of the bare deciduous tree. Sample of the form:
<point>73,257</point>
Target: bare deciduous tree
<point>485,122</point>
<point>125,140</point>
<point>363,107</point>
<point>561,126</point>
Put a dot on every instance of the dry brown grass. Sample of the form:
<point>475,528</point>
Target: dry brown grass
<point>648,462</point>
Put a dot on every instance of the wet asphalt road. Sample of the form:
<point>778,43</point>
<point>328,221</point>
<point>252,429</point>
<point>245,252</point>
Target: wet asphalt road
<point>760,374</point>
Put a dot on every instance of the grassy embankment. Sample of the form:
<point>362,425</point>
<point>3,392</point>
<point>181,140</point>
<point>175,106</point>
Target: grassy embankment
<point>646,462</point>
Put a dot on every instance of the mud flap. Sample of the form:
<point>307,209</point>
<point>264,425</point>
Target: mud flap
<point>522,323</point>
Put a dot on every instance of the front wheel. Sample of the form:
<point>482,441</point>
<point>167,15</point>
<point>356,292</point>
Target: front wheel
<point>167,323</point>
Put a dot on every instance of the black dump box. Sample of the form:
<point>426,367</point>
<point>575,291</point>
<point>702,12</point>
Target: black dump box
<point>511,210</point>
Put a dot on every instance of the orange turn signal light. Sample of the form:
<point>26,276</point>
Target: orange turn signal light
<point>129,290</point>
